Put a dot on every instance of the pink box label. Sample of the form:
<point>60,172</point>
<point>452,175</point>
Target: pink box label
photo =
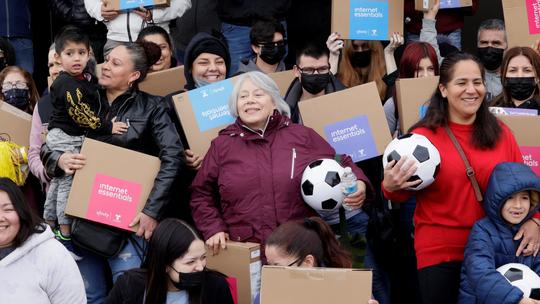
<point>113,201</point>
<point>531,157</point>
<point>533,13</point>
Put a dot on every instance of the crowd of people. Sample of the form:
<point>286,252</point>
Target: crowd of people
<point>444,243</point>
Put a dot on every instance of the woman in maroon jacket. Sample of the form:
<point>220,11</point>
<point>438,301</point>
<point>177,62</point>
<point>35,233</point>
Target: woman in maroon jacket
<point>249,182</point>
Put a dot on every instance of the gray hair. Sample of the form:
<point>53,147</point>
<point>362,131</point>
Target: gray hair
<point>491,24</point>
<point>263,82</point>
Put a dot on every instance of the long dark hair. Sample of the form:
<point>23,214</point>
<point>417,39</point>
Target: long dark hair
<point>313,237</point>
<point>486,127</point>
<point>504,99</point>
<point>29,221</point>
<point>171,239</point>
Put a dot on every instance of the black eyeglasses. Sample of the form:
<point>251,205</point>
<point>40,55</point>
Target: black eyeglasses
<point>273,44</point>
<point>297,262</point>
<point>311,71</point>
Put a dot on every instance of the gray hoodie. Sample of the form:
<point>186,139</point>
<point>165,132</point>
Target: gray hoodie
<point>41,271</point>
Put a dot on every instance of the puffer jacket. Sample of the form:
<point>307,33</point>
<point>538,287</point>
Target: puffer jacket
<point>151,132</point>
<point>249,183</point>
<point>491,242</point>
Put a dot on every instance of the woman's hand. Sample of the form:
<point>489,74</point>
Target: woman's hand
<point>432,12</point>
<point>146,14</point>
<point>193,161</point>
<point>108,14</point>
<point>528,301</point>
<point>146,223</point>
<point>334,44</point>
<point>536,46</point>
<point>119,127</point>
<point>356,200</point>
<point>531,238</point>
<point>397,174</point>
<point>396,40</point>
<point>217,241</point>
<point>70,162</point>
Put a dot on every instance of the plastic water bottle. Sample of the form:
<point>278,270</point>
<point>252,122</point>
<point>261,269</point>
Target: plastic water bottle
<point>349,185</point>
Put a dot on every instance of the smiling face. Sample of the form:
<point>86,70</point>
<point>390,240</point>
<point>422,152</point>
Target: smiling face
<point>465,92</point>
<point>74,57</point>
<point>117,72</point>
<point>164,61</point>
<point>209,68</point>
<point>254,105</point>
<point>516,207</point>
<point>9,221</point>
<point>193,260</point>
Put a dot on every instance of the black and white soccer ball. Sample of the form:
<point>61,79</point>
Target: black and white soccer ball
<point>320,185</point>
<point>522,277</point>
<point>422,151</point>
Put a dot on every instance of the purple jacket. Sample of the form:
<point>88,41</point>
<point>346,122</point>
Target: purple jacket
<point>250,183</point>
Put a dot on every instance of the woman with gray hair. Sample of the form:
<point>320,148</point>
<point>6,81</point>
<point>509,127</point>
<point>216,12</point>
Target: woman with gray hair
<point>249,182</point>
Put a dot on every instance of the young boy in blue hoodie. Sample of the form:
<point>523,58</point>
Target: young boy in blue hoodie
<point>511,199</point>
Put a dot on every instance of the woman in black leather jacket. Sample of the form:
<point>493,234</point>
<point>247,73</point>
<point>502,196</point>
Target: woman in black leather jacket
<point>150,131</point>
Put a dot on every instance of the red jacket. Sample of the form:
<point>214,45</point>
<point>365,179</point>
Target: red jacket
<point>244,186</point>
<point>447,209</point>
<point>448,20</point>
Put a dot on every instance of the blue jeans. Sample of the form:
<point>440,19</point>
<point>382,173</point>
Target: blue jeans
<point>453,38</point>
<point>94,272</point>
<point>237,37</point>
<point>24,53</point>
<point>381,287</point>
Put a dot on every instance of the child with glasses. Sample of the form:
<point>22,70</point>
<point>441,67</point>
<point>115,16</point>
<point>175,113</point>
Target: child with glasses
<point>77,109</point>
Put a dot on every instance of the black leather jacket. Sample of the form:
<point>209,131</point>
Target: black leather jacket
<point>151,132</point>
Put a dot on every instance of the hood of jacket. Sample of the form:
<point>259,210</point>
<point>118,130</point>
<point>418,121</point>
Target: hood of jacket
<point>32,242</point>
<point>189,56</point>
<point>508,178</point>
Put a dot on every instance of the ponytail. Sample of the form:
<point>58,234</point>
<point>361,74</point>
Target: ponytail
<point>313,237</point>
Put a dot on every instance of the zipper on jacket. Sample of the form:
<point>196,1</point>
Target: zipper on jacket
<point>292,162</point>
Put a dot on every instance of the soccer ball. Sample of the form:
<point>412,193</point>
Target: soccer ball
<point>522,277</point>
<point>422,151</point>
<point>320,185</point>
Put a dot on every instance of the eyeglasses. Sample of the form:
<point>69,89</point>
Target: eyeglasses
<point>273,44</point>
<point>311,71</point>
<point>298,262</point>
<point>14,85</point>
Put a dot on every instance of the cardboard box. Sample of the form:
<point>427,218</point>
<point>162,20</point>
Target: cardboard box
<point>165,82</point>
<point>352,121</point>
<point>529,142</point>
<point>110,191</point>
<point>513,111</point>
<point>522,20</point>
<point>367,19</point>
<point>123,5</point>
<point>294,285</point>
<point>203,112</point>
<point>243,262</point>
<point>413,95</point>
<point>424,5</point>
<point>15,123</point>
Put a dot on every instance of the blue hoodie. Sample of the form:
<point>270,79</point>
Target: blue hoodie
<point>491,243</point>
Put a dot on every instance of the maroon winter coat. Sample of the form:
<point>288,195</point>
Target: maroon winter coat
<point>244,186</point>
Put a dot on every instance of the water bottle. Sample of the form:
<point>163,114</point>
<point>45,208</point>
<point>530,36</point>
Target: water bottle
<point>348,184</point>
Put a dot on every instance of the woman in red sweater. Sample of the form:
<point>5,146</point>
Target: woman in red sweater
<point>447,210</point>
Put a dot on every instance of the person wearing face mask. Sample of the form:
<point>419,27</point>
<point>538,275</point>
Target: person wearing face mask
<point>18,88</point>
<point>269,45</point>
<point>313,78</point>
<point>491,46</point>
<point>174,272</point>
<point>519,75</point>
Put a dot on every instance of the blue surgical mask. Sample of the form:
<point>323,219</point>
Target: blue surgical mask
<point>200,83</point>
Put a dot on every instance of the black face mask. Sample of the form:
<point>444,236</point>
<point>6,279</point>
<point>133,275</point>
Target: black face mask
<point>273,54</point>
<point>189,280</point>
<point>17,98</point>
<point>361,59</point>
<point>314,83</point>
<point>490,57</point>
<point>520,88</point>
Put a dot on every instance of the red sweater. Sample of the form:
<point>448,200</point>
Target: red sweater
<point>447,209</point>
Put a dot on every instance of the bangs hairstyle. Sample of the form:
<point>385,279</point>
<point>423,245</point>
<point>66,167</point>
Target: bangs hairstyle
<point>29,221</point>
<point>263,82</point>
<point>171,240</point>
<point>32,89</point>
<point>504,99</point>
<point>412,55</point>
<point>486,127</point>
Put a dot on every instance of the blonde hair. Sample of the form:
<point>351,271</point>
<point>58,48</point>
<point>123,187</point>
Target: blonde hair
<point>351,76</point>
